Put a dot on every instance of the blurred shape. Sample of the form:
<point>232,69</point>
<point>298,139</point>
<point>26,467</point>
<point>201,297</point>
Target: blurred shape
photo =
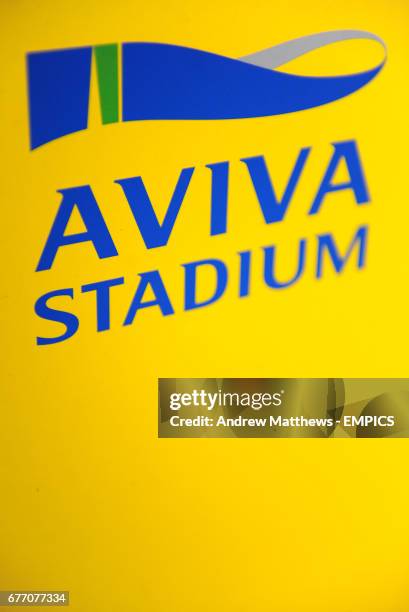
<point>394,404</point>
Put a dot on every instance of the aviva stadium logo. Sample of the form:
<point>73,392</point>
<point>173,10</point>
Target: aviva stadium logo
<point>161,81</point>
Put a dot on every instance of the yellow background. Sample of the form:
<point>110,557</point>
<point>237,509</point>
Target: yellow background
<point>91,500</point>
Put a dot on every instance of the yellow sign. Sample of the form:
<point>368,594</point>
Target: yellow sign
<point>195,190</point>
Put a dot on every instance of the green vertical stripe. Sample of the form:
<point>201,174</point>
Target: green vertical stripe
<point>107,70</point>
